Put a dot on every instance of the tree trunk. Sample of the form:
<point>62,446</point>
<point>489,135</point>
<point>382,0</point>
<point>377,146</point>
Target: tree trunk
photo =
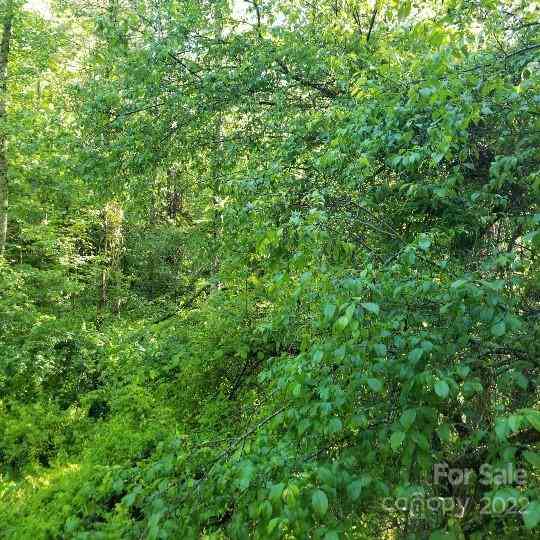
<point>4,56</point>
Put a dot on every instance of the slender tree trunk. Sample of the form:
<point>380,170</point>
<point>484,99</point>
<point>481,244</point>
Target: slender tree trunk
<point>4,57</point>
<point>216,158</point>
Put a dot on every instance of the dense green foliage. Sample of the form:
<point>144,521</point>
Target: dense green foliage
<point>269,264</point>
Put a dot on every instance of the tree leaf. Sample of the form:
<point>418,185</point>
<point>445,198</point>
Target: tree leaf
<point>501,428</point>
<point>514,422</point>
<point>533,417</point>
<point>396,439</point>
<point>375,384</point>
<point>443,431</point>
<point>533,458</point>
<point>272,524</point>
<point>354,489</point>
<point>334,425</point>
<point>531,515</point>
<point>415,355</point>
<point>498,329</point>
<point>275,492</point>
<point>407,418</point>
<point>319,501</point>
<point>329,311</point>
<point>424,244</point>
<point>371,307</point>
<point>343,322</point>
<point>442,389</point>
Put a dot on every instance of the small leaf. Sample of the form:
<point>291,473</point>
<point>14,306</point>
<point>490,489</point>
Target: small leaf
<point>531,515</point>
<point>404,9</point>
<point>329,310</point>
<point>375,384</point>
<point>319,501</point>
<point>521,380</point>
<point>334,425</point>
<point>442,389</point>
<point>290,494</point>
<point>501,428</point>
<point>463,371</point>
<point>514,422</point>
<point>265,509</point>
<point>435,156</point>
<point>443,431</point>
<point>396,439</point>
<point>339,353</point>
<point>533,458</point>
<point>354,489</point>
<point>303,426</point>
<point>407,418</point>
<point>533,418</point>
<point>415,355</point>
<point>273,524</point>
<point>276,491</point>
<point>421,440</point>
<point>371,307</point>
<point>498,329</point>
<point>342,322</point>
<point>424,244</point>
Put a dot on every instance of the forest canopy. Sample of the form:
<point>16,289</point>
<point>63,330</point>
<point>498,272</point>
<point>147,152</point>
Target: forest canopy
<point>269,269</point>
